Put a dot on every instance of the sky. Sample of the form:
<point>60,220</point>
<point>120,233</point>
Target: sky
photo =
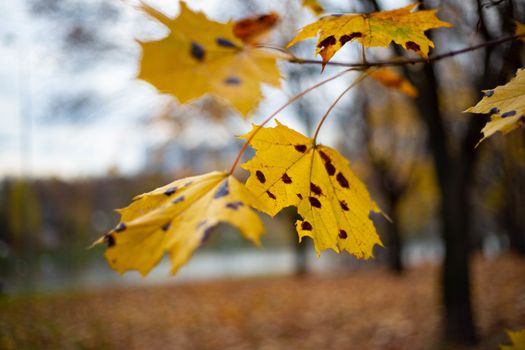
<point>36,142</point>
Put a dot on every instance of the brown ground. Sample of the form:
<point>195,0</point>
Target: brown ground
<point>360,310</point>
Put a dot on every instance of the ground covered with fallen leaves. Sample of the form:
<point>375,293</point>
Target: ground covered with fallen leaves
<point>363,309</point>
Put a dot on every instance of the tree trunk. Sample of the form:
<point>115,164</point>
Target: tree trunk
<point>453,185</point>
<point>455,215</point>
<point>395,253</point>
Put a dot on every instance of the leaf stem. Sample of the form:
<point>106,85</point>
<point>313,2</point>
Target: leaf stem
<point>402,62</point>
<point>354,83</point>
<point>289,102</point>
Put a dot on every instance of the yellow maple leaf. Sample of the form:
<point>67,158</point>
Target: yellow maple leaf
<point>518,341</point>
<point>200,56</point>
<point>314,6</point>
<point>289,170</point>
<point>506,105</point>
<point>401,26</point>
<point>390,78</point>
<point>177,218</point>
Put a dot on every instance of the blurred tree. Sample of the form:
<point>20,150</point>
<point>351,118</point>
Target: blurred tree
<point>452,148</point>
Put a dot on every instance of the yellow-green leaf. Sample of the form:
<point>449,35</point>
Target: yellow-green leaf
<point>200,56</point>
<point>518,341</point>
<point>506,105</point>
<point>176,219</point>
<point>289,170</point>
<point>401,26</point>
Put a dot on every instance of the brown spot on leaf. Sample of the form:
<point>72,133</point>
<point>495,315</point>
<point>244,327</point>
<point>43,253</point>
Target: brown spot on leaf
<point>271,195</point>
<point>328,41</point>
<point>343,234</point>
<point>286,179</point>
<point>342,180</point>
<point>234,205</point>
<point>305,225</point>
<point>346,38</point>
<point>225,43</point>
<point>178,200</point>
<point>300,196</point>
<point>314,202</point>
<point>110,240</point>
<point>223,190</point>
<point>197,51</point>
<point>300,148</point>
<point>493,110</point>
<point>315,189</point>
<point>343,205</point>
<point>232,81</point>
<point>327,163</point>
<point>410,45</point>
<point>170,191</point>
<point>166,227</point>
<point>508,114</point>
<point>330,168</point>
<point>260,176</point>
<point>325,157</point>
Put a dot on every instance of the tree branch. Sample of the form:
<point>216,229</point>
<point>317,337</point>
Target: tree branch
<point>402,62</point>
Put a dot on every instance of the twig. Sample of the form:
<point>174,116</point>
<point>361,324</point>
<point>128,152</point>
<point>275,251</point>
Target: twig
<point>402,62</point>
<point>289,102</point>
<point>354,83</point>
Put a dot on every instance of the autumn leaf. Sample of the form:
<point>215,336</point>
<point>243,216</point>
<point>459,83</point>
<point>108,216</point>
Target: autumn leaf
<point>177,218</point>
<point>505,104</point>
<point>289,170</point>
<point>391,79</point>
<point>518,341</point>
<point>251,29</point>
<point>401,26</point>
<point>314,6</point>
<point>200,56</point>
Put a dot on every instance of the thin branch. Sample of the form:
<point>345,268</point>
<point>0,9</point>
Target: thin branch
<point>354,83</point>
<point>289,102</point>
<point>402,62</point>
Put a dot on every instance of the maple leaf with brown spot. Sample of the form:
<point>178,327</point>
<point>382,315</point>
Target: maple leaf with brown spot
<point>505,104</point>
<point>200,57</point>
<point>288,169</point>
<point>177,219</point>
<point>401,26</point>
